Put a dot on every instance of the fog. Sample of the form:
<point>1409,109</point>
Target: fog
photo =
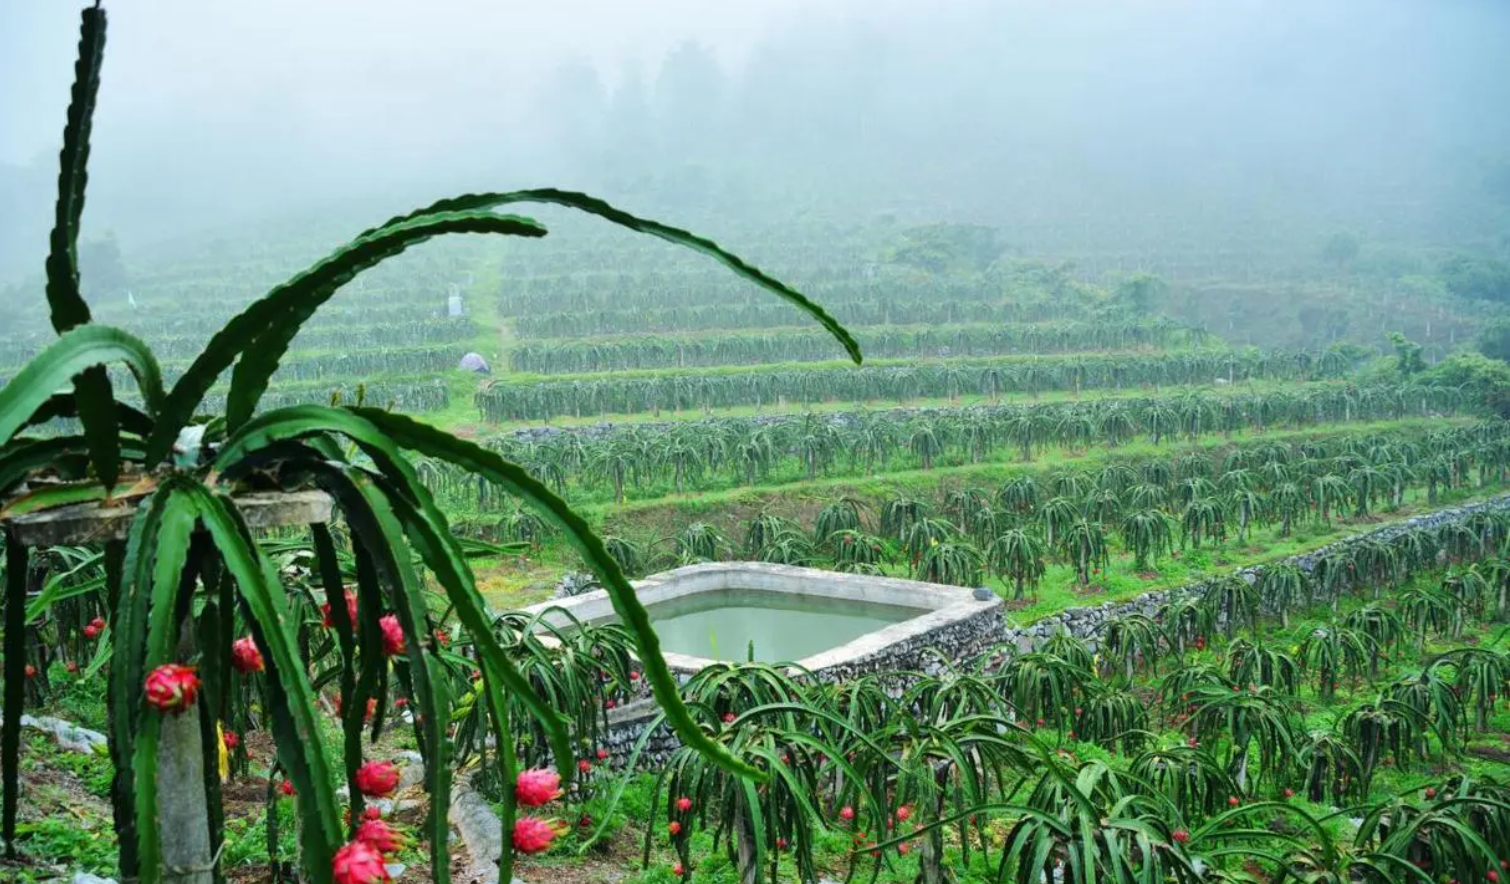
<point>1150,127</point>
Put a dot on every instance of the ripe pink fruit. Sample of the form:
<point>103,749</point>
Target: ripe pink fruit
<point>1233,802</point>
<point>393,635</point>
<point>1430,793</point>
<point>846,813</point>
<point>532,835</point>
<point>286,787</point>
<point>230,740</point>
<point>584,767</point>
<point>172,688</point>
<point>91,631</point>
<point>31,671</point>
<point>371,707</point>
<point>675,828</point>
<point>71,666</point>
<point>904,813</point>
<point>684,804</point>
<point>903,848</point>
<point>1289,793</point>
<point>371,813</point>
<point>1040,722</point>
<point>245,657</point>
<point>1192,742</point>
<point>781,844</point>
<point>381,836</point>
<point>358,862</point>
<point>443,637</point>
<point>533,788</point>
<point>728,718</point>
<point>1181,836</point>
<point>351,610</point>
<point>602,754</point>
<point>377,779</point>
<point>676,870</point>
<point>1492,876</point>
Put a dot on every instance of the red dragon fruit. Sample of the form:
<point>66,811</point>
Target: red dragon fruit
<point>393,635</point>
<point>172,688</point>
<point>358,863</point>
<point>245,656</point>
<point>377,779</point>
<point>536,787</point>
<point>534,835</point>
<point>381,836</point>
<point>351,610</point>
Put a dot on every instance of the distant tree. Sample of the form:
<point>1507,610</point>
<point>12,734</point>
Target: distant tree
<point>1494,340</point>
<point>943,248</point>
<point>629,123</point>
<point>1485,379</point>
<point>575,103</point>
<point>1340,250</point>
<point>1408,359</point>
<point>1484,279</point>
<point>100,260</point>
<point>1137,293</point>
<point>690,93</point>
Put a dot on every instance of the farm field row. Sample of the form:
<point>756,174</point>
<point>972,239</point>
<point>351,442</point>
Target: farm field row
<point>1108,523</point>
<point>895,380</point>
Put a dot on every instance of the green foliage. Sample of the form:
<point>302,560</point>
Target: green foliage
<point>1493,339</point>
<point>1408,360</point>
<point>1476,277</point>
<point>941,248</point>
<point>1340,249</point>
<point>1137,294</point>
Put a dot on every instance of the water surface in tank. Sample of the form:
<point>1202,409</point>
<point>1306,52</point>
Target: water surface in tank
<point>784,627</point>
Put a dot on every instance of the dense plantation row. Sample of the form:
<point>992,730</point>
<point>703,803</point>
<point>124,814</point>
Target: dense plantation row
<point>317,340</point>
<point>415,395</point>
<point>898,382</point>
<point>348,367</point>
<point>757,315</point>
<point>1032,289</point>
<point>387,329</point>
<point>1155,506</point>
<point>759,449</point>
<point>569,355</point>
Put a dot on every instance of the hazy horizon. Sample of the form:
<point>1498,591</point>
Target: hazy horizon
<point>1378,116</point>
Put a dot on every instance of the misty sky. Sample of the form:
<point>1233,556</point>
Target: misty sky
<point>1130,123</point>
<point>178,59</point>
